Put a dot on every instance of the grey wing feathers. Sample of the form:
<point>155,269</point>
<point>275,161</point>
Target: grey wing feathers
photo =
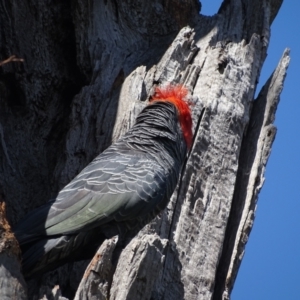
<point>117,187</point>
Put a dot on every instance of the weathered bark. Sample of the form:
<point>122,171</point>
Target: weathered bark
<point>88,69</point>
<point>12,283</point>
<point>255,151</point>
<point>96,280</point>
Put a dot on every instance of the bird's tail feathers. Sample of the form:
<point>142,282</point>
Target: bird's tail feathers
<point>47,254</point>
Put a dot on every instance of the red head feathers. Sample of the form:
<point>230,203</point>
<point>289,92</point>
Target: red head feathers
<point>175,95</point>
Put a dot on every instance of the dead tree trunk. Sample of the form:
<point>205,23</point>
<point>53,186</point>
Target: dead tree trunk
<point>89,68</point>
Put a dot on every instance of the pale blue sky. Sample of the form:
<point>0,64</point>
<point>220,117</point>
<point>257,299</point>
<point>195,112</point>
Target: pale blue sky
<point>271,265</point>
